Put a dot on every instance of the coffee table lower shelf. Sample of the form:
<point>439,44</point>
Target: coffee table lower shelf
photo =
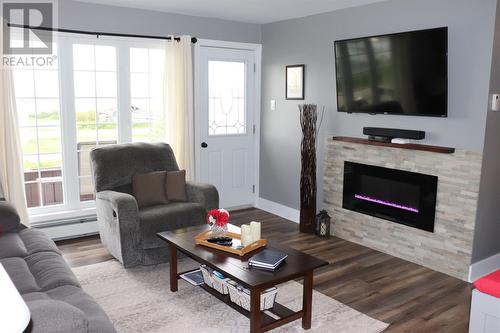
<point>299,266</point>
<point>284,314</point>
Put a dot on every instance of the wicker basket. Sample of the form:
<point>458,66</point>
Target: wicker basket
<point>213,281</point>
<point>241,296</point>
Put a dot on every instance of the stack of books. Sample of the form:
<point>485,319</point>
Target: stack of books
<point>267,259</point>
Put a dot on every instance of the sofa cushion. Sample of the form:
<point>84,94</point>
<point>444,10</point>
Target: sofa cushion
<point>36,240</point>
<point>77,300</point>
<point>56,317</point>
<point>9,219</point>
<point>149,188</point>
<point>11,245</point>
<point>172,216</point>
<point>176,185</point>
<point>98,320</point>
<point>35,296</point>
<point>50,270</point>
<point>24,243</point>
<point>20,274</point>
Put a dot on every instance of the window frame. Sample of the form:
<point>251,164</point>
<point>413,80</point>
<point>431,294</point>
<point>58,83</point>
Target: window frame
<point>72,207</point>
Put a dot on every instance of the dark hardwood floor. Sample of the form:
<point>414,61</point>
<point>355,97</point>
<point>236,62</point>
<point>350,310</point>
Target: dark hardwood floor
<point>410,297</point>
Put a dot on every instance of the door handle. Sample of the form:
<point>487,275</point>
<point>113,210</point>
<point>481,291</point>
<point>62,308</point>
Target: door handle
<point>204,145</point>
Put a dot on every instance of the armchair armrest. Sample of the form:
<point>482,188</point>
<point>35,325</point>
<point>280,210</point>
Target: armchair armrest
<point>118,218</point>
<point>121,203</point>
<point>204,194</point>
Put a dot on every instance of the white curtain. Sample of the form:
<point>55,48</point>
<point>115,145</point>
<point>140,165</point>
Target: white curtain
<point>179,111</point>
<point>11,165</point>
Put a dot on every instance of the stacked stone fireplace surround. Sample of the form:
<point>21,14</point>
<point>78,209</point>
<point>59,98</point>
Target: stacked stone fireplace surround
<point>448,249</point>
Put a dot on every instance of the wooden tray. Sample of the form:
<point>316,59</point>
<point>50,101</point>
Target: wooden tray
<point>201,239</point>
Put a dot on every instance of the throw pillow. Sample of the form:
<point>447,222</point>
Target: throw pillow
<point>176,185</point>
<point>149,188</point>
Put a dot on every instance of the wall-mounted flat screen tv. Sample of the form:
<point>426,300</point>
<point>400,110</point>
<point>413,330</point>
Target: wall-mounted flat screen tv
<point>399,74</point>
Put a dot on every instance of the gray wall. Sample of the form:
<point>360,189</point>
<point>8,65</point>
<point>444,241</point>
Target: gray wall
<point>94,17</point>
<point>487,232</point>
<point>310,40</point>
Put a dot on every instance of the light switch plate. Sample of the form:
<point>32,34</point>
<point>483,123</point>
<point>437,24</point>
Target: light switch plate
<point>272,105</point>
<point>495,102</point>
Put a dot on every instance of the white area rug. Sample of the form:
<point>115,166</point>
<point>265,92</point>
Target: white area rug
<point>139,300</point>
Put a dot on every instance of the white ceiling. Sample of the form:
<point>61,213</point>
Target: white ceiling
<point>252,11</point>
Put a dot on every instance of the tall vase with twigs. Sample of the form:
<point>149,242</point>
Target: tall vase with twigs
<point>310,127</point>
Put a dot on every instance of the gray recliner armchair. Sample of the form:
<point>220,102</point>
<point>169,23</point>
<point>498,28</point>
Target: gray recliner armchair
<point>129,233</point>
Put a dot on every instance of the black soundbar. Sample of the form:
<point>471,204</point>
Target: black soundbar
<point>387,134</point>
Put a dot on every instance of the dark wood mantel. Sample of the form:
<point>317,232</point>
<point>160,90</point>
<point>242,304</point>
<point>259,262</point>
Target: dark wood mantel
<point>412,146</point>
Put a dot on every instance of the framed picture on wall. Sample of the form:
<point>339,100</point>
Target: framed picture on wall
<point>294,78</point>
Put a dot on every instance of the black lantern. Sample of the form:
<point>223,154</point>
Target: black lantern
<point>323,224</point>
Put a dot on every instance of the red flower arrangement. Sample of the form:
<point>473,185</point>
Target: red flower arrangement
<point>219,217</point>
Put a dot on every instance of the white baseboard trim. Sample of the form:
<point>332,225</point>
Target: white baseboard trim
<point>73,230</point>
<point>484,267</point>
<point>279,209</point>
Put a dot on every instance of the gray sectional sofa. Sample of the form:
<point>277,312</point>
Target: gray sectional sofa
<point>50,289</point>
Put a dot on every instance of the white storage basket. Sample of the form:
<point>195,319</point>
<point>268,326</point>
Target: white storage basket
<point>241,296</point>
<point>213,281</point>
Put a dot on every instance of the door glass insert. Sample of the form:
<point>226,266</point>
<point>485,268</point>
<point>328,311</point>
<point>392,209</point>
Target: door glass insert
<point>226,98</point>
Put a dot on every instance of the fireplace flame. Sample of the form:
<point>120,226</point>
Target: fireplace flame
<point>385,203</point>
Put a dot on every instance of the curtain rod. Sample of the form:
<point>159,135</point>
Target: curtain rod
<point>114,34</point>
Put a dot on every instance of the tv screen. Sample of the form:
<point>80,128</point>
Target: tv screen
<point>400,74</point>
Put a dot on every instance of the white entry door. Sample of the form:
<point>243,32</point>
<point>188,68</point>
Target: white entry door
<point>226,123</point>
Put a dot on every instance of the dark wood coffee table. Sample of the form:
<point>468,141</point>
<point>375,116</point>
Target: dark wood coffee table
<point>297,265</point>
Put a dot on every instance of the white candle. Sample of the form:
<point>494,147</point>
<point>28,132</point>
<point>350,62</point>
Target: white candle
<point>255,228</point>
<point>246,235</point>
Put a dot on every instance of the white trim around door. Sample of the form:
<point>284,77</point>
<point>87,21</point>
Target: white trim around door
<point>257,49</point>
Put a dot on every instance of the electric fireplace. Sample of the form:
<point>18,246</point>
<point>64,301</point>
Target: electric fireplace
<point>400,196</point>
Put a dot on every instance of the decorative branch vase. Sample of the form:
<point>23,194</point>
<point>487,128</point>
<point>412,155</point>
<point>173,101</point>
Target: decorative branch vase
<point>308,122</point>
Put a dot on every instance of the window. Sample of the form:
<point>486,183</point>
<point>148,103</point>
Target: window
<point>96,105</point>
<point>146,92</point>
<point>226,95</point>
<point>37,102</point>
<point>83,102</point>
